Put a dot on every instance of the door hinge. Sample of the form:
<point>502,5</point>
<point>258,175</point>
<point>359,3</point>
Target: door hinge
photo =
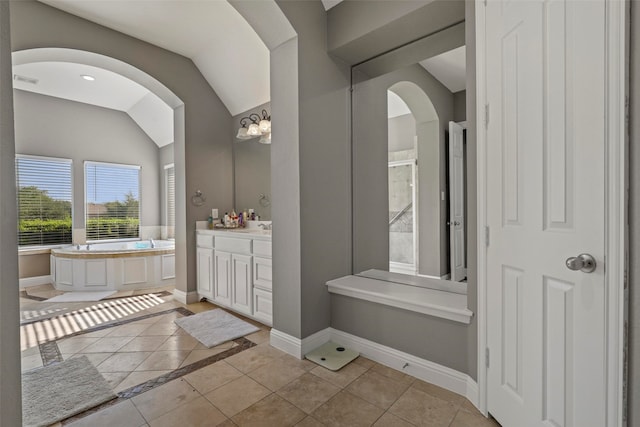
<point>486,116</point>
<point>487,235</point>
<point>486,357</point>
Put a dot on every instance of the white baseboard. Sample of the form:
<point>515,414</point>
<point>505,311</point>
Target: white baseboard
<point>185,297</point>
<point>34,281</point>
<point>425,370</point>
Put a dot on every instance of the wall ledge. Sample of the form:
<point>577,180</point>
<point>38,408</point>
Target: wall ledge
<point>432,302</point>
<point>26,282</point>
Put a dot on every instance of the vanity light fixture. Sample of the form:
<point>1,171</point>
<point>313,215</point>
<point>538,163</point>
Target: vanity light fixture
<point>87,77</point>
<point>255,125</point>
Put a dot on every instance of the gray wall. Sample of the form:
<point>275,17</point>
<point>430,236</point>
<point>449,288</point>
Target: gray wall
<point>251,168</point>
<point>633,355</point>
<point>319,179</point>
<point>460,106</point>
<point>10,380</point>
<point>54,127</point>
<point>203,161</point>
<point>370,188</point>
<point>401,132</point>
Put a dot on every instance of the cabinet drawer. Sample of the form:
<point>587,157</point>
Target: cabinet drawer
<point>204,240</point>
<point>262,248</point>
<point>262,273</point>
<point>229,244</point>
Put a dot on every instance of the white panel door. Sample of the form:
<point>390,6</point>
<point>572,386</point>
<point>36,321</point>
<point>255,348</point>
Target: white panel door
<point>222,275</point>
<point>545,88</point>
<point>242,284</point>
<point>456,202</point>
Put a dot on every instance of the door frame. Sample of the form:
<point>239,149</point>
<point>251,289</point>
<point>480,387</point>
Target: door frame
<point>617,15</point>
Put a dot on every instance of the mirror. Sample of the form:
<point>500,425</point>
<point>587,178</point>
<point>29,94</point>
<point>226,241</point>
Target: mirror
<point>409,163</point>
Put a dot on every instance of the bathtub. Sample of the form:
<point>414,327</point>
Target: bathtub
<point>113,266</point>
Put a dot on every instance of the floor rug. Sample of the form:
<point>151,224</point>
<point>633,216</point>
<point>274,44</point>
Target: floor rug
<point>61,390</point>
<point>81,296</point>
<point>332,356</point>
<point>215,327</point>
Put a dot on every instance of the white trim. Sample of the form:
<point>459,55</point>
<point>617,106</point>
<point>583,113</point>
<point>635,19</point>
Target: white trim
<point>297,347</point>
<point>26,282</point>
<point>472,391</point>
<point>481,220</point>
<point>120,165</point>
<point>185,297</point>
<point>445,277</point>
<point>615,122</point>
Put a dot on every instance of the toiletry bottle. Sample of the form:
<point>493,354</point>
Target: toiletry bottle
<point>240,220</point>
<point>210,223</point>
<point>225,221</point>
<point>245,217</point>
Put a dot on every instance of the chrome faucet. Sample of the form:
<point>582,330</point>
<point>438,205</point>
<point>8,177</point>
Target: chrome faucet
<point>265,226</point>
<point>88,247</point>
<point>152,243</point>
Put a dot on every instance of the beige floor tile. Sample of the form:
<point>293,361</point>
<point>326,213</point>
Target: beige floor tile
<point>270,411</point>
<point>225,345</point>
<point>346,409</point>
<point>160,400</point>
<point>392,373</point>
<point>123,414</point>
<point>466,419</point>
<point>237,395</point>
<point>96,334</point>
<point>466,405</point>
<point>30,351</point>
<point>197,355</point>
<point>213,376</point>
<point>160,328</point>
<point>363,361</point>
<point>150,343</point>
<point>390,420</point>
<point>309,421</point>
<point>276,374</point>
<point>179,342</point>
<point>106,345</point>
<point>308,392</point>
<point>304,364</point>
<point>75,344</point>
<point>341,378</point>
<point>137,378</point>
<point>114,378</point>
<point>198,412</point>
<point>94,358</point>
<point>259,337</point>
<point>123,362</point>
<point>252,359</point>
<point>377,389</point>
<point>438,392</point>
<point>31,362</point>
<point>227,423</point>
<point>128,330</point>
<point>163,360</point>
<point>422,409</point>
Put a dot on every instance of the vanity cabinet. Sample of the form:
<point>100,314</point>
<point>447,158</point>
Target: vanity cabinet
<point>234,271</point>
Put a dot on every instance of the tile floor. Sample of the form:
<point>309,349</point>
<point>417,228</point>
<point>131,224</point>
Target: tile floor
<point>260,386</point>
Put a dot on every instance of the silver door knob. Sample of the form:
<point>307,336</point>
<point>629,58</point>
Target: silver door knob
<point>583,262</point>
<point>456,223</point>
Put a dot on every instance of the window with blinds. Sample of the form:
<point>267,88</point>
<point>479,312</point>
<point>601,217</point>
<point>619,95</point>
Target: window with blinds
<point>112,201</point>
<point>44,196</point>
<point>170,185</point>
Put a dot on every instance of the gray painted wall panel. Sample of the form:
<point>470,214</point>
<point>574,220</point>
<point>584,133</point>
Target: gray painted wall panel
<point>427,337</point>
<point>460,106</point>
<point>10,379</point>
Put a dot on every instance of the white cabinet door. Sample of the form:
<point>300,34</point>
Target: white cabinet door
<point>262,306</point>
<point>241,287</point>
<point>262,273</point>
<point>222,274</point>
<point>205,272</point>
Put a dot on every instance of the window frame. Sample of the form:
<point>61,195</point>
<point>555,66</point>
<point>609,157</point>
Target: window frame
<point>52,159</point>
<point>124,166</point>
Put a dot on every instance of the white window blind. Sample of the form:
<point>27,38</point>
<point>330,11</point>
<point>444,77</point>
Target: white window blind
<point>112,202</point>
<point>44,193</point>
<point>170,181</point>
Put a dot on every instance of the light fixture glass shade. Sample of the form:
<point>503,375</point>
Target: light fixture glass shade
<point>242,133</point>
<point>265,126</point>
<point>265,138</point>
<point>254,130</point>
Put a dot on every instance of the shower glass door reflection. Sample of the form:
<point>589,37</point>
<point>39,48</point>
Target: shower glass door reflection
<point>402,218</point>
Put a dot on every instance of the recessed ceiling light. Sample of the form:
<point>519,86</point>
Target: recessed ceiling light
<point>87,77</point>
